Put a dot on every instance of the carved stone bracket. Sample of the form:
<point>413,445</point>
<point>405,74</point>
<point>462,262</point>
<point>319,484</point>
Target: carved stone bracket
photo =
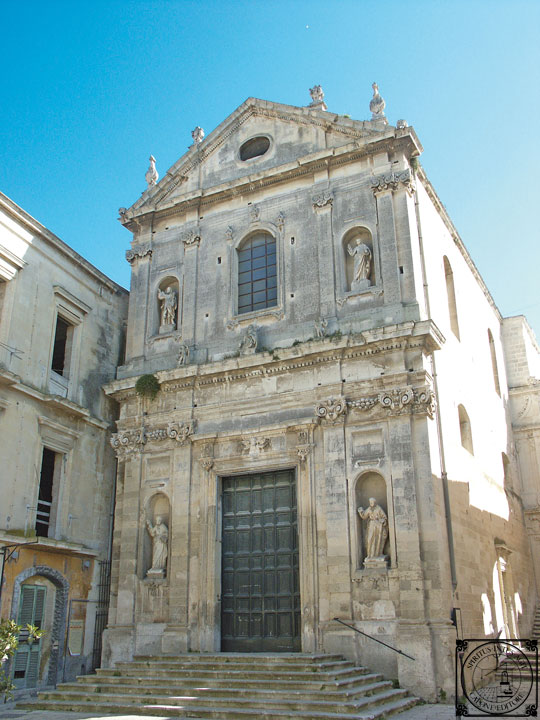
<point>191,239</point>
<point>253,446</point>
<point>393,181</point>
<point>229,233</point>
<point>280,221</point>
<point>232,324</point>
<point>331,410</point>
<point>254,213</point>
<point>207,456</point>
<point>324,199</point>
<point>138,251</point>
<point>304,447</point>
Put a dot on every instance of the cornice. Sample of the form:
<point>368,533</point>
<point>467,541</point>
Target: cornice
<point>249,184</point>
<point>423,335</point>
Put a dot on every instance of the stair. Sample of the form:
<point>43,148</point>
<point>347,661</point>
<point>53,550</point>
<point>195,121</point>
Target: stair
<point>232,686</point>
<point>536,624</point>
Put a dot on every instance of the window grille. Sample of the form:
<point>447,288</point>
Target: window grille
<point>257,276</point>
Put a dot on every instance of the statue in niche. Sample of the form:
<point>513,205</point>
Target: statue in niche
<point>362,264</point>
<point>169,303</point>
<point>377,533</point>
<point>160,543</point>
<point>183,355</point>
<point>249,342</point>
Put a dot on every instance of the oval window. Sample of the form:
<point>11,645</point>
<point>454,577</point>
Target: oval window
<point>254,148</point>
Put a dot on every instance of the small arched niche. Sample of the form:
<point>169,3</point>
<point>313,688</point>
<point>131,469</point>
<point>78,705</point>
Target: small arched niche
<point>372,521</point>
<point>167,305</point>
<point>465,430</point>
<point>357,246</point>
<point>157,513</point>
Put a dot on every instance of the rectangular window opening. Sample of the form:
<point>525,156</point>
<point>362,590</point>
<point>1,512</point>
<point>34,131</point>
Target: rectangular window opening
<point>61,347</point>
<point>48,488</point>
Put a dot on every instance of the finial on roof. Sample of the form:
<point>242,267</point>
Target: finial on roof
<point>377,104</point>
<point>317,98</point>
<point>197,135</point>
<point>152,174</point>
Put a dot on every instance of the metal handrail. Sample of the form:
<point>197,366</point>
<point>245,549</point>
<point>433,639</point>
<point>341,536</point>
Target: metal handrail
<point>372,638</point>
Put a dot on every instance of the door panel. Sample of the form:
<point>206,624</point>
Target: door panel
<point>260,589</point>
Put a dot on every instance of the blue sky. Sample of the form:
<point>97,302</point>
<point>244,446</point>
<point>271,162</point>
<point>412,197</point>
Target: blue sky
<point>90,89</point>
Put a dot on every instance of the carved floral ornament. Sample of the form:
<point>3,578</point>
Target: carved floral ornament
<point>323,199</point>
<point>253,446</point>
<point>128,442</point>
<point>304,447</point>
<point>191,238</point>
<point>393,181</point>
<point>331,410</point>
<point>138,251</point>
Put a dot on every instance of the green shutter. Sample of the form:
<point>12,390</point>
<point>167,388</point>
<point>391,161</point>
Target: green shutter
<point>31,610</point>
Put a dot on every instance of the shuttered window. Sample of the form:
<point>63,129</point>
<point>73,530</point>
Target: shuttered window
<point>31,611</point>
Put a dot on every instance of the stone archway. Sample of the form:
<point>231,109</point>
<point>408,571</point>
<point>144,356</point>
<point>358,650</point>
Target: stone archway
<point>60,611</point>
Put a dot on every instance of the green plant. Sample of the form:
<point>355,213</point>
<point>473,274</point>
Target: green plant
<point>395,683</point>
<point>442,695</point>
<point>296,342</point>
<point>9,641</point>
<point>415,164</point>
<point>335,336</point>
<point>147,386</point>
<point>117,673</point>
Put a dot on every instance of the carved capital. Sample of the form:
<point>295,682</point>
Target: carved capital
<point>180,431</point>
<point>393,181</point>
<point>396,400</point>
<point>324,199</point>
<point>331,410</point>
<point>191,239</point>
<point>128,442</point>
<point>207,463</point>
<point>138,251</point>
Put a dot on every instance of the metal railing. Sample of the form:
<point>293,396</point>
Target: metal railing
<point>373,638</point>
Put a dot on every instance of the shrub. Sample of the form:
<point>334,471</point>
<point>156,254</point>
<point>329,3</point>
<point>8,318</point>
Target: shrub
<point>147,386</point>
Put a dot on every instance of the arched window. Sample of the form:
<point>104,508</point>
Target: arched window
<point>257,274</point>
<point>494,363</point>
<point>465,429</point>
<point>451,294</point>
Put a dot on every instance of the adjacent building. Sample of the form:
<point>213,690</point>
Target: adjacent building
<point>61,337</point>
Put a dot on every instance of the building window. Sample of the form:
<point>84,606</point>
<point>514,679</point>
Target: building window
<point>465,429</point>
<point>255,147</point>
<point>494,366</point>
<point>451,295</point>
<point>257,275</point>
<point>61,347</point>
<point>51,463</point>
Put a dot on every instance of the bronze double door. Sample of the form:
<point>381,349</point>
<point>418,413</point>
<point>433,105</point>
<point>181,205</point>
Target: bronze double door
<point>260,610</point>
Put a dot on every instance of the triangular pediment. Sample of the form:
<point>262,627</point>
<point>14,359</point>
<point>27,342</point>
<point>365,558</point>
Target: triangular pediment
<point>294,134</point>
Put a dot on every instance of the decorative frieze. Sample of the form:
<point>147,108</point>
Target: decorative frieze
<point>393,181</point>
<point>398,401</point>
<point>138,251</point>
<point>324,199</point>
<point>127,442</point>
<point>331,410</point>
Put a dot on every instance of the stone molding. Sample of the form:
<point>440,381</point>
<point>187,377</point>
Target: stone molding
<point>393,181</point>
<point>129,442</point>
<point>138,251</point>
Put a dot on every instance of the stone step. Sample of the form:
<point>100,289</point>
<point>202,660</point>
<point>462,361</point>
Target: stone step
<point>379,712</point>
<point>244,666</point>
<point>374,695</point>
<point>157,670</point>
<point>220,658</point>
<point>133,684</point>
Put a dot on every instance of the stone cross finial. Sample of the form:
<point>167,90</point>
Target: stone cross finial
<point>317,98</point>
<point>197,135</point>
<point>377,104</point>
<point>152,174</point>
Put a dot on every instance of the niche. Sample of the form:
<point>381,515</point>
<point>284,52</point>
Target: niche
<point>156,533</point>
<point>358,254</point>
<point>167,302</point>
<point>372,521</point>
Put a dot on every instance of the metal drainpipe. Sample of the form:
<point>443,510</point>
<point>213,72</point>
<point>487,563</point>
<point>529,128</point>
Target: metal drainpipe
<point>444,475</point>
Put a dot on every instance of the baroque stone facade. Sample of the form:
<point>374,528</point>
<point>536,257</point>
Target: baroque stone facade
<point>312,384</point>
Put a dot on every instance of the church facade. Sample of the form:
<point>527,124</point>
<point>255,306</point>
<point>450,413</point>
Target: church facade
<point>315,415</point>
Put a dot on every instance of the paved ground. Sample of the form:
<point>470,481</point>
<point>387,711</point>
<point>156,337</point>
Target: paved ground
<point>10,712</point>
